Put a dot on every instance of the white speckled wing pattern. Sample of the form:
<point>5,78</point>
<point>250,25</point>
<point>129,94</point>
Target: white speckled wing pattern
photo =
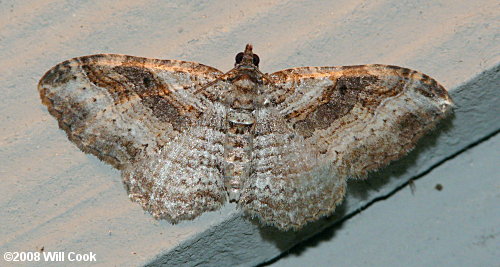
<point>292,183</point>
<point>184,179</point>
<point>341,122</point>
<point>146,117</point>
<point>188,137</point>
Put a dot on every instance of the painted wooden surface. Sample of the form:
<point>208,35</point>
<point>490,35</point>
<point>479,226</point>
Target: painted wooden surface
<point>54,196</point>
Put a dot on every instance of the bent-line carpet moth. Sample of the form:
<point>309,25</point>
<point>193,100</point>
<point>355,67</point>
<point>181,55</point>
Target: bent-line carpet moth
<point>188,137</point>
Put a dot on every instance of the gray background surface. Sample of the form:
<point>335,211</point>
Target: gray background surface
<point>54,196</point>
<point>457,226</point>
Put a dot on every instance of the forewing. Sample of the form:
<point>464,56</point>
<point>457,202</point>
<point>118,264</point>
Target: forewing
<point>115,106</point>
<point>362,117</point>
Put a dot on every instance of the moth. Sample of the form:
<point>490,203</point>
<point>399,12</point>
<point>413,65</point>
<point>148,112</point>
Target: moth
<point>189,138</point>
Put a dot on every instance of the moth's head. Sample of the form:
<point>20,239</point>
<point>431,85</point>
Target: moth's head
<point>247,59</point>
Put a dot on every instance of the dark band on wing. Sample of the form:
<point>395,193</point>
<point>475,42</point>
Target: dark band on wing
<point>126,82</point>
<point>358,84</point>
<point>347,92</point>
<point>337,102</point>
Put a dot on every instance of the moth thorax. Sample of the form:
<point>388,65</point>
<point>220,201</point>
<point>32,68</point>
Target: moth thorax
<point>246,82</point>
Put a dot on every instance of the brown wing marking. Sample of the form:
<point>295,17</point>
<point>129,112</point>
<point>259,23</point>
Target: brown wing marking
<point>364,116</point>
<point>115,106</point>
